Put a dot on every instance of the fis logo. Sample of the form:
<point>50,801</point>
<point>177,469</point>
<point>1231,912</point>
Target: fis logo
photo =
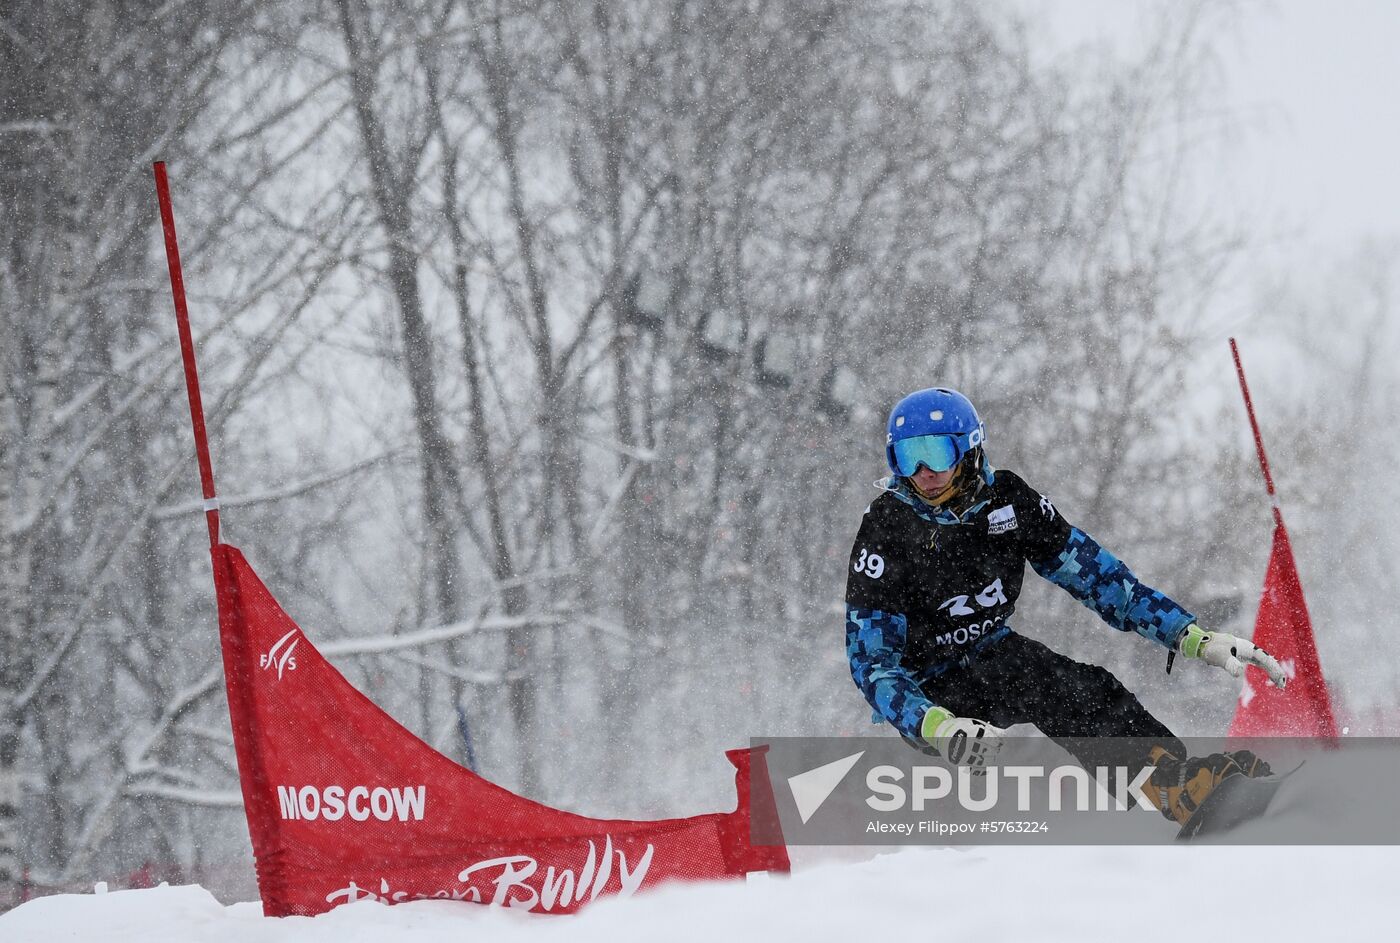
<point>279,657</point>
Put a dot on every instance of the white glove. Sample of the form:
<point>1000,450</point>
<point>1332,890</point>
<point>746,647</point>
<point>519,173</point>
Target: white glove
<point>961,741</point>
<point>1229,652</point>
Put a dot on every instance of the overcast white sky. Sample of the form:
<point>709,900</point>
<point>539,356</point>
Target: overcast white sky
<point>1310,167</point>
<point>1315,85</point>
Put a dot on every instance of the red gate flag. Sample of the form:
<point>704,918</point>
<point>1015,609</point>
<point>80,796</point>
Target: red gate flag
<point>1283,629</point>
<point>345,804</point>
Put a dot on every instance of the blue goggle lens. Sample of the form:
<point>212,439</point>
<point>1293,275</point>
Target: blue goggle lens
<point>936,452</point>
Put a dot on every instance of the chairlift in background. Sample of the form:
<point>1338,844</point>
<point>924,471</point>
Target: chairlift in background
<point>839,392</point>
<point>775,360</point>
<point>645,299</point>
<point>721,336</point>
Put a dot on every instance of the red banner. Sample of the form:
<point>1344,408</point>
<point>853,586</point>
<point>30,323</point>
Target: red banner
<point>345,804</point>
<point>1283,629</point>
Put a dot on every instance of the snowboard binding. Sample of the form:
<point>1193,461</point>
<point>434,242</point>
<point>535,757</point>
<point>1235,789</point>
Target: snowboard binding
<point>1181,786</point>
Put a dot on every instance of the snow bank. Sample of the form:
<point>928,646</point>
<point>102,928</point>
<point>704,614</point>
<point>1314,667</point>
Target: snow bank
<point>1043,894</point>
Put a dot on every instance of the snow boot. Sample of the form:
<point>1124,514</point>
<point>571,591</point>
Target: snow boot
<point>1179,786</point>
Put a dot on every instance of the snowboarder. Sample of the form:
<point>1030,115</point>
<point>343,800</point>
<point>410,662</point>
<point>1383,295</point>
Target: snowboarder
<point>934,575</point>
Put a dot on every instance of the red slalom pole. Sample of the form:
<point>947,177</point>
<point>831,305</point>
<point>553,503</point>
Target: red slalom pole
<point>1283,628</point>
<point>1258,437</point>
<point>182,318</point>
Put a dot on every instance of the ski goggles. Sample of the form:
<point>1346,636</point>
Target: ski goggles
<point>937,453</point>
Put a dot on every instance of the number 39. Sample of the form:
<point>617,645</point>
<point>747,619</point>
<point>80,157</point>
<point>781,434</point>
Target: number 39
<point>871,564</point>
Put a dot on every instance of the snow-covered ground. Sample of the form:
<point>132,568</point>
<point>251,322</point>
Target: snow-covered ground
<point>985,894</point>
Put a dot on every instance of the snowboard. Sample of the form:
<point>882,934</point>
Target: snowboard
<point>1235,801</point>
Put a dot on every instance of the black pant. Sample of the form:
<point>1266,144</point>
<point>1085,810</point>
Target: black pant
<point>1020,681</point>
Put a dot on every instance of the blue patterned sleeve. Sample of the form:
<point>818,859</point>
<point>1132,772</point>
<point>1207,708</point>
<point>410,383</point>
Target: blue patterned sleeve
<point>875,648</point>
<point>1104,583</point>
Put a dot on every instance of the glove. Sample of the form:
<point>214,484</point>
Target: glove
<point>961,741</point>
<point>1229,652</point>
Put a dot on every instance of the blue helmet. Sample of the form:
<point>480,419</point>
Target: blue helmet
<point>935,428</point>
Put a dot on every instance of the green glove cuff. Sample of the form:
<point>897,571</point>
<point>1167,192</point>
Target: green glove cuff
<point>932,718</point>
<point>1191,641</point>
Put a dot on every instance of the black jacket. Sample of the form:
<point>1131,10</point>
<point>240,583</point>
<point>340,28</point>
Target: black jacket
<point>928,590</point>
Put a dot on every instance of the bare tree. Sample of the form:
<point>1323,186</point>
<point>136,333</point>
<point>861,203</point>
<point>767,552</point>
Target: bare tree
<point>653,272</point>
